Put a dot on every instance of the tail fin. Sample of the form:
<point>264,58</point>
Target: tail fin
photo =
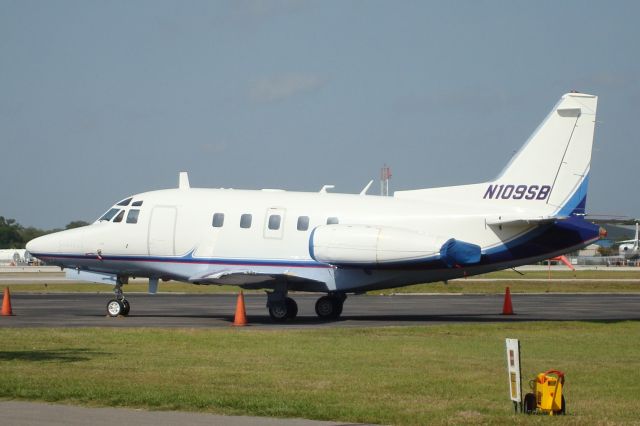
<point>556,158</point>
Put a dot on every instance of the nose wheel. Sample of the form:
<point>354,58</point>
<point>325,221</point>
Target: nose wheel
<point>118,307</point>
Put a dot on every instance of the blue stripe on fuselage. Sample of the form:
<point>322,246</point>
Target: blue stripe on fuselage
<point>187,259</point>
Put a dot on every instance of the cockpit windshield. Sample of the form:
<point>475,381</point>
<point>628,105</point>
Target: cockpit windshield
<point>123,209</point>
<point>109,215</point>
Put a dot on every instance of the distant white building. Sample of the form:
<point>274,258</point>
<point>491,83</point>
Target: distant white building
<point>14,257</point>
<point>589,251</point>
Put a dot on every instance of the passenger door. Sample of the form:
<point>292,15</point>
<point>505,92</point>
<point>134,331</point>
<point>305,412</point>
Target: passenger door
<point>162,229</point>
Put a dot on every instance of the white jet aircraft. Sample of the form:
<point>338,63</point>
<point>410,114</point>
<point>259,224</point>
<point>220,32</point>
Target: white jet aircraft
<point>342,244</point>
<point>630,249</point>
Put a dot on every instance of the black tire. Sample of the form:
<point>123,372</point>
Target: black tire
<point>278,312</point>
<point>529,403</point>
<point>114,308</point>
<point>292,308</point>
<point>126,307</point>
<point>328,308</point>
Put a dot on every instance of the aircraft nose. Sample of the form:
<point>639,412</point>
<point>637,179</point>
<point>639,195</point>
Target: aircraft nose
<point>44,244</point>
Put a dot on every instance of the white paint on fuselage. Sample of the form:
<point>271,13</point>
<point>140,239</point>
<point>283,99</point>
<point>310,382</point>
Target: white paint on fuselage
<point>232,248</point>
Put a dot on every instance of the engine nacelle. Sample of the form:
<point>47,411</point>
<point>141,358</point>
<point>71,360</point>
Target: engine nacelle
<point>378,245</point>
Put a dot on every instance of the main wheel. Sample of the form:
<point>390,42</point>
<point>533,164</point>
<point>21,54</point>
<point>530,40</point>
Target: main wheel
<point>292,308</point>
<point>328,308</point>
<point>115,308</point>
<point>278,312</point>
<point>126,307</point>
<point>529,403</point>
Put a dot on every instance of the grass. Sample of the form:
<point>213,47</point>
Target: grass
<point>517,286</point>
<point>449,374</point>
<point>602,273</point>
<point>560,282</point>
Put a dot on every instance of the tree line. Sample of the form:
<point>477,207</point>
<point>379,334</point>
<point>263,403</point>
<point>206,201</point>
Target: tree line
<point>14,235</point>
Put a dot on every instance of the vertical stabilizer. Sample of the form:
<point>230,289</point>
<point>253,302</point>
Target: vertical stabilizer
<point>556,158</point>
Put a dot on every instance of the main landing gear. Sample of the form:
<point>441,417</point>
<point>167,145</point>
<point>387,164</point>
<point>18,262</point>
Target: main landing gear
<point>119,305</point>
<point>283,308</point>
<point>330,307</point>
<point>283,311</point>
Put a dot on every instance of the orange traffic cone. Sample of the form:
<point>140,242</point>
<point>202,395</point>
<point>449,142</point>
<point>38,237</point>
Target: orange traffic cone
<point>6,303</point>
<point>241,315</point>
<point>507,307</point>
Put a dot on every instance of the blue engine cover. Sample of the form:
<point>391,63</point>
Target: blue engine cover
<point>455,252</point>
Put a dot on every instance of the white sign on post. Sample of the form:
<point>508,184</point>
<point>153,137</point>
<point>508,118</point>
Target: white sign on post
<point>513,366</point>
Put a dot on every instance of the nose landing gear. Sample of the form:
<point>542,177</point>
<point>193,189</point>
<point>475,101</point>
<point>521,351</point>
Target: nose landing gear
<point>119,305</point>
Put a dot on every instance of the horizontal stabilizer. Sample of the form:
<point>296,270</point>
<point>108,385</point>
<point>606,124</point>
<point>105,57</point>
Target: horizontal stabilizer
<point>520,221</point>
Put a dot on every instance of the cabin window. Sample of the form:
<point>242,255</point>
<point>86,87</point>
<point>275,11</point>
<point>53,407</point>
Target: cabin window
<point>132,216</point>
<point>218,220</point>
<point>119,216</point>
<point>303,223</point>
<point>136,203</point>
<point>274,221</point>
<point>332,221</point>
<point>245,221</point>
<point>124,202</point>
<point>109,215</point>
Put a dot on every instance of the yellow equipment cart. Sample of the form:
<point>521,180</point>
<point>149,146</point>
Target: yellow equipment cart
<point>547,394</point>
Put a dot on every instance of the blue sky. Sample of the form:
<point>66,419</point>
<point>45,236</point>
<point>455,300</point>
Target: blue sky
<point>101,99</point>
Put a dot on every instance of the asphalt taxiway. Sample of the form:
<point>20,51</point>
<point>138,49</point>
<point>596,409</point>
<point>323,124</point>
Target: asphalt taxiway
<point>22,413</point>
<point>217,310</point>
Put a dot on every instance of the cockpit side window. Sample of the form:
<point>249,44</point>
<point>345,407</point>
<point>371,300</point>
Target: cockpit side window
<point>124,202</point>
<point>119,216</point>
<point>132,216</point>
<point>109,215</point>
<point>332,221</point>
<point>136,203</point>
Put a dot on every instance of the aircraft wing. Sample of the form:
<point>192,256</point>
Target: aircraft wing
<point>244,277</point>
<point>520,221</point>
